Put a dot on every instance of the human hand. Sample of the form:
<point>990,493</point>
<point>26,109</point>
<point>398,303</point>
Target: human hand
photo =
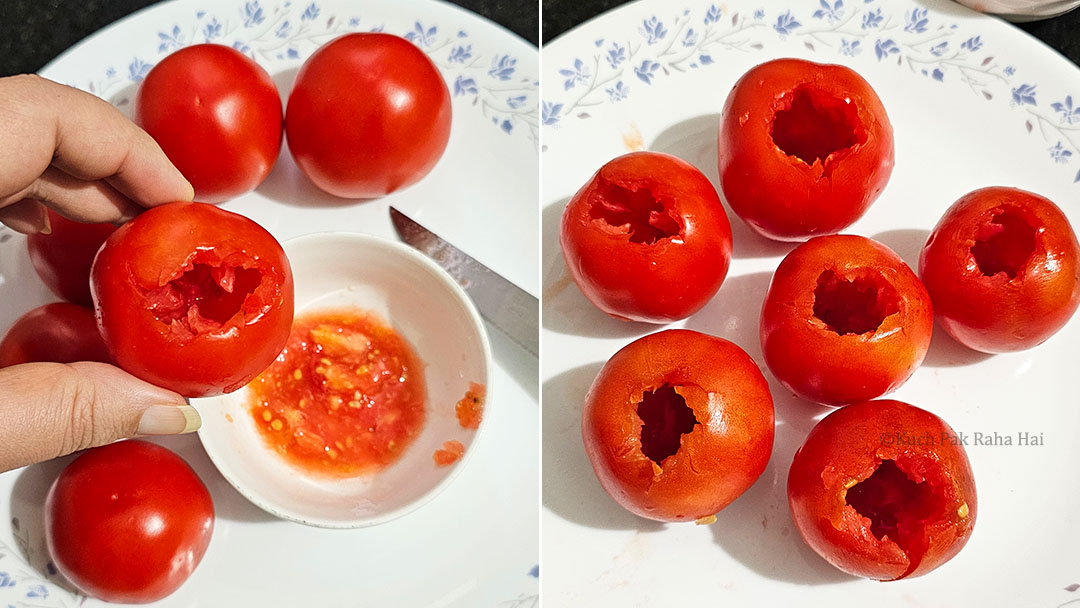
<point>70,151</point>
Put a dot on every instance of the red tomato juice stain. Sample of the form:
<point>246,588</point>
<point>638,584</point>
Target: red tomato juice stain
<point>345,397</point>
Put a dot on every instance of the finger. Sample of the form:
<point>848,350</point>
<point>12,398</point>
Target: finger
<point>84,136</point>
<point>26,216</point>
<point>93,202</point>
<point>51,409</point>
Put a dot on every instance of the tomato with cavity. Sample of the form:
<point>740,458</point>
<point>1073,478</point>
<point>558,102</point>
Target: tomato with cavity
<point>60,332</point>
<point>883,489</point>
<point>844,320</point>
<point>193,298</point>
<point>63,257</point>
<point>128,522</point>
<point>804,148</point>
<point>217,115</point>
<point>1001,267</point>
<point>677,425</point>
<point>369,114</point>
<point>646,239</point>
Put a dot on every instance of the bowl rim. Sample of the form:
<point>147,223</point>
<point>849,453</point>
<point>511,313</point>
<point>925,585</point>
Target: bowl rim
<point>398,248</point>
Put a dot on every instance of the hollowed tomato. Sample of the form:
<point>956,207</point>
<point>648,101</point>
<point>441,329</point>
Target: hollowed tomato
<point>678,424</point>
<point>883,489</point>
<point>193,298</point>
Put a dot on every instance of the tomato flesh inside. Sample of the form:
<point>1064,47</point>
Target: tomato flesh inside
<point>855,306</point>
<point>814,124</point>
<point>665,419</point>
<point>898,508</point>
<point>203,298</point>
<point>1004,243</point>
<point>642,214</point>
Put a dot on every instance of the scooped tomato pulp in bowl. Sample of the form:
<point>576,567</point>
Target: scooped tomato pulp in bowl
<point>347,443</point>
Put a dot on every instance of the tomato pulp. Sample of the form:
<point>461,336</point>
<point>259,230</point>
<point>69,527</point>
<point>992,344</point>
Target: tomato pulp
<point>345,397</point>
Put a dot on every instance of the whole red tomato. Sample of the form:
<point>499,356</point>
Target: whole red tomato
<point>678,424</point>
<point>193,298</point>
<point>63,257</point>
<point>217,116</point>
<point>646,239</point>
<point>804,148</point>
<point>844,320</point>
<point>128,522</point>
<point>1001,267</point>
<point>369,114</point>
<point>59,333</point>
<point>883,489</point>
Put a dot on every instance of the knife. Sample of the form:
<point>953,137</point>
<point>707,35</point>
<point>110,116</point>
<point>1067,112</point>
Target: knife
<point>508,307</point>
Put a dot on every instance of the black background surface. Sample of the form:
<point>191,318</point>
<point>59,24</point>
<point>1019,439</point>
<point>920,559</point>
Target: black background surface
<point>1062,33</point>
<point>33,32</point>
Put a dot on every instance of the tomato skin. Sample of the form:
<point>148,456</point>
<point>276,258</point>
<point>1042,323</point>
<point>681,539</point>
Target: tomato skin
<point>369,114</point>
<point>996,314</point>
<point>822,365</point>
<point>217,116</point>
<point>668,279</point>
<point>727,457</point>
<point>133,282</point>
<point>845,448</point>
<point>62,259</point>
<point>60,332</point>
<point>782,196</point>
<point>128,522</point>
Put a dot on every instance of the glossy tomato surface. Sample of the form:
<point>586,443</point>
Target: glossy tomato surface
<point>883,489</point>
<point>60,332</point>
<point>63,257</point>
<point>804,148</point>
<point>369,114</point>
<point>678,424</point>
<point>128,522</point>
<point>193,298</point>
<point>844,320</point>
<point>1001,267</point>
<point>646,239</point>
<point>217,115</point>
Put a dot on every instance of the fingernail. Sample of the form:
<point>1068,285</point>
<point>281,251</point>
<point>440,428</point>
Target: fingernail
<point>169,420</point>
<point>46,223</point>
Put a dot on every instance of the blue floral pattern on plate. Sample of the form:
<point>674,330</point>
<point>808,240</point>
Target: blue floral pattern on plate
<point>290,32</point>
<point>924,44</point>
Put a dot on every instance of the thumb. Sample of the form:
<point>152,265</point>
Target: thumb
<point>52,409</point>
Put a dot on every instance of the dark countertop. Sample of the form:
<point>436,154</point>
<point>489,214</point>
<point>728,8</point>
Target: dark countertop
<point>1062,33</point>
<point>33,32</point>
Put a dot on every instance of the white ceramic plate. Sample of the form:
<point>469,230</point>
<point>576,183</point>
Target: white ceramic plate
<point>476,544</point>
<point>974,102</point>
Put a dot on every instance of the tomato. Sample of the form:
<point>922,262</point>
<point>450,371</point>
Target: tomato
<point>62,258</point>
<point>677,425</point>
<point>646,239</point>
<point>450,452</point>
<point>1001,267</point>
<point>59,333</point>
<point>193,298</point>
<point>369,114</point>
<point>345,398</point>
<point>128,522</point>
<point>217,115</point>
<point>883,489</point>
<point>844,320</point>
<point>804,148</point>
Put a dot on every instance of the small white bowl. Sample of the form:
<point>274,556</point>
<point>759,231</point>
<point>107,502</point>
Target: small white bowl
<point>431,311</point>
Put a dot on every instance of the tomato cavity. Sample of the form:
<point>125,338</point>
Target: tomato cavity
<point>812,125</point>
<point>636,210</point>
<point>665,419</point>
<point>1004,243</point>
<point>898,508</point>
<point>203,298</point>
<point>855,306</point>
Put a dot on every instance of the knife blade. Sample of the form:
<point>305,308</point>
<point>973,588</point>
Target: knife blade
<point>511,309</point>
